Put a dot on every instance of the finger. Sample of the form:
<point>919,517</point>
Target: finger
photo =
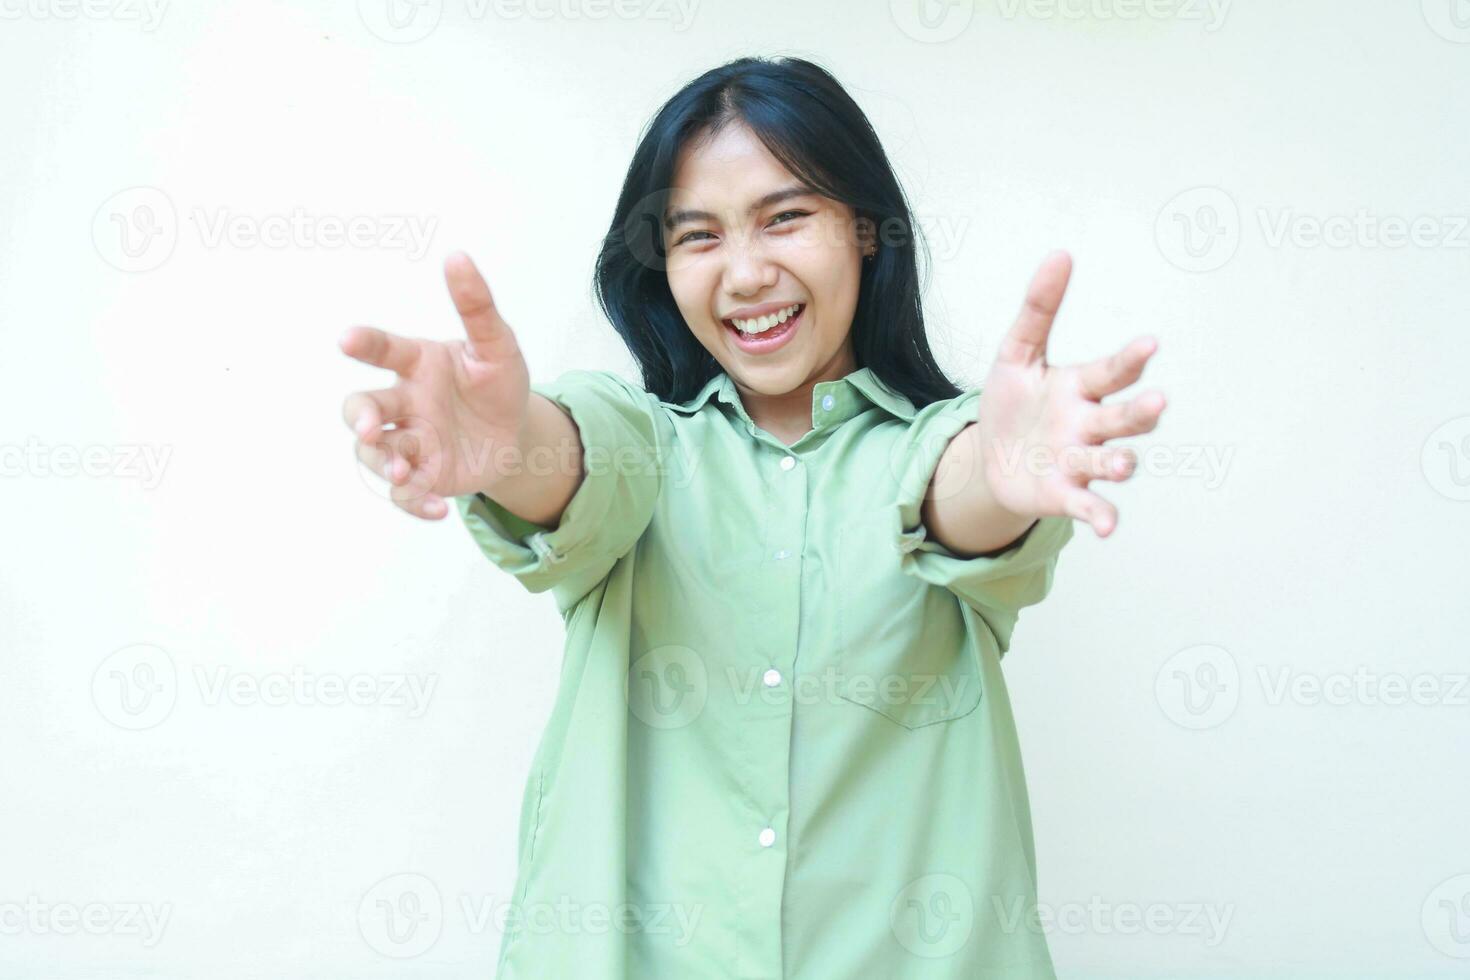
<point>1130,418</point>
<point>380,348</point>
<point>1104,463</point>
<point>365,412</point>
<point>1025,343</point>
<point>490,337</point>
<point>1107,375</point>
<point>383,462</point>
<point>1084,505</point>
<point>415,499</point>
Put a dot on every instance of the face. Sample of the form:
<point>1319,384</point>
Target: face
<point>744,238</point>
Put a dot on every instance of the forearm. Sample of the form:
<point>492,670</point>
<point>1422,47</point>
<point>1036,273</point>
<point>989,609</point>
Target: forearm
<point>538,478</point>
<point>959,510</point>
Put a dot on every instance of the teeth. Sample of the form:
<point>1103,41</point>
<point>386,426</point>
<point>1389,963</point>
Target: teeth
<point>763,323</point>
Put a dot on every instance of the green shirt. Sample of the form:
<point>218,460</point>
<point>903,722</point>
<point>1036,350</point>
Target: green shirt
<point>782,744</point>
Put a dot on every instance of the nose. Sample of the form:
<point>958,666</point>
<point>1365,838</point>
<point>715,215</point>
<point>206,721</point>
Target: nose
<point>748,269</point>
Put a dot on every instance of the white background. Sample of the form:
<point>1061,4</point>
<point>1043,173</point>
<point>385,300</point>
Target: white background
<point>1307,517</point>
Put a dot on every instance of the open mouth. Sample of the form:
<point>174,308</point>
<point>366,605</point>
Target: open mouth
<point>770,339</point>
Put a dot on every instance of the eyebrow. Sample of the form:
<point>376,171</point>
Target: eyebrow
<point>674,218</point>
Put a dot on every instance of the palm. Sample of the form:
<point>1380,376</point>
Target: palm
<point>455,403</point>
<point>1043,428</point>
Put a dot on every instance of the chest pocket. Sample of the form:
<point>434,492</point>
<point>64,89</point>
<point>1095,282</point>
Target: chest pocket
<point>902,647</point>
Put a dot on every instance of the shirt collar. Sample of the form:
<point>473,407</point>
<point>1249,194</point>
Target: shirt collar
<point>849,396</point>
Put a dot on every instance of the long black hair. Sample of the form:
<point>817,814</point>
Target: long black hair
<point>813,127</point>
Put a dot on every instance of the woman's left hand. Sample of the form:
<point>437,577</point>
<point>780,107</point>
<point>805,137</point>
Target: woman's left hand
<point>1042,427</point>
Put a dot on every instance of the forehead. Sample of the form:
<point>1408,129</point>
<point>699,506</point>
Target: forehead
<point>732,166</point>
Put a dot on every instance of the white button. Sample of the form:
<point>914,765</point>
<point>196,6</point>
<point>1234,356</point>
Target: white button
<point>771,677</point>
<point>782,554</point>
<point>768,837</point>
<point>828,401</point>
<point>787,462</point>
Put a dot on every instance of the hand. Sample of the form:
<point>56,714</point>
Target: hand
<point>1042,428</point>
<point>454,405</point>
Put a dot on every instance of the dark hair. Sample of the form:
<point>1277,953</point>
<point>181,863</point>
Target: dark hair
<point>813,127</point>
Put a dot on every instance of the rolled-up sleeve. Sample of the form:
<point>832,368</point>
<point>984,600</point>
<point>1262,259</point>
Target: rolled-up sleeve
<point>619,425</point>
<point>997,587</point>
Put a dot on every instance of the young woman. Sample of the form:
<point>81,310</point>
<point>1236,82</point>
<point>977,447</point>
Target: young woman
<point>788,564</point>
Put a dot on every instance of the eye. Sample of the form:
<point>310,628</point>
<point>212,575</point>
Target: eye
<point>796,214</point>
<point>690,237</point>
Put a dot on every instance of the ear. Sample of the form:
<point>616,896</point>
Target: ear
<point>867,233</point>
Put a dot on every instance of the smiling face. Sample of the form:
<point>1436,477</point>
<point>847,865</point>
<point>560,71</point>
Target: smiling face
<point>744,238</point>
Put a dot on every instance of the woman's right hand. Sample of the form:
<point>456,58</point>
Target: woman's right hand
<point>455,407</point>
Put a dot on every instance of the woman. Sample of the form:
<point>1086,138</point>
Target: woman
<point>789,563</point>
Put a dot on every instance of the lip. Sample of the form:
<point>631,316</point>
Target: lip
<point>780,335</point>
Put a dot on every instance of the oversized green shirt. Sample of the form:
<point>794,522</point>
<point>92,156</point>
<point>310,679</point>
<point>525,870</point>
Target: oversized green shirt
<point>781,745</point>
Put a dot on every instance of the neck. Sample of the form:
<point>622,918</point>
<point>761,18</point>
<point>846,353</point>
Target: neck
<point>788,416</point>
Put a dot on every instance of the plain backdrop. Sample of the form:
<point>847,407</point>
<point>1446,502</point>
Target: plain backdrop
<point>257,722</point>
